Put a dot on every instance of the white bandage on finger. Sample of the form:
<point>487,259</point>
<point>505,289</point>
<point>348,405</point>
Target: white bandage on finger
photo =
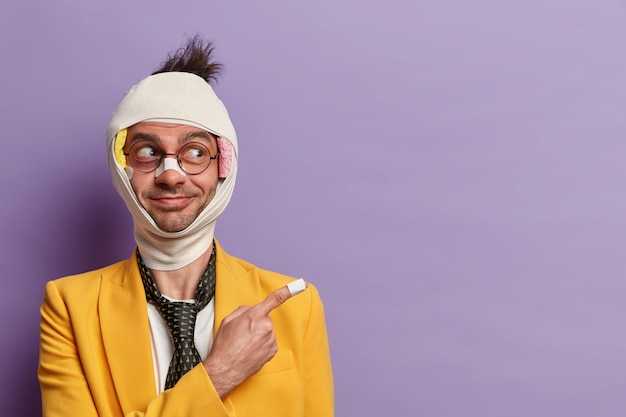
<point>297,286</point>
<point>169,163</point>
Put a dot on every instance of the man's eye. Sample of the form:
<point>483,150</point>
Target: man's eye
<point>146,152</point>
<point>194,153</point>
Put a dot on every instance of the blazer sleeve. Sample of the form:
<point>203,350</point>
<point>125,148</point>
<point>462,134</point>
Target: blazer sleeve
<point>67,391</point>
<point>64,389</point>
<point>319,388</point>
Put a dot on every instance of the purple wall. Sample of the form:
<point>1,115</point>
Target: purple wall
<point>450,174</point>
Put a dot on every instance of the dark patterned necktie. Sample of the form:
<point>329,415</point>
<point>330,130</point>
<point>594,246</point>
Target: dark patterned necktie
<point>181,318</point>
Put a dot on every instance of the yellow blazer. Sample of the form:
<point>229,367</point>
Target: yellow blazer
<point>96,356</point>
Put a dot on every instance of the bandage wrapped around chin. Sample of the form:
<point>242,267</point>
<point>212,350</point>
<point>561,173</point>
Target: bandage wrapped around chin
<point>180,98</point>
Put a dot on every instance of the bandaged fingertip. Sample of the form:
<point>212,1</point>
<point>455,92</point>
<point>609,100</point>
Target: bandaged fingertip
<point>297,286</point>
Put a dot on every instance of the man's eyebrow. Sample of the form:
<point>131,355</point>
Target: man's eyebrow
<point>144,136</point>
<point>198,134</point>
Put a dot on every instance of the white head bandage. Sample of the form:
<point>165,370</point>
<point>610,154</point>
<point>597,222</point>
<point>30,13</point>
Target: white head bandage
<point>182,98</point>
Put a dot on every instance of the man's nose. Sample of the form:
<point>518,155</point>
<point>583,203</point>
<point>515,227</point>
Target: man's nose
<point>169,164</point>
<point>169,173</point>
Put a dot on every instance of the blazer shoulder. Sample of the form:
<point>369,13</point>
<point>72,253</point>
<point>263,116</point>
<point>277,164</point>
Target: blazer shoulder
<point>261,273</point>
<point>86,281</point>
<point>269,280</point>
<point>238,267</point>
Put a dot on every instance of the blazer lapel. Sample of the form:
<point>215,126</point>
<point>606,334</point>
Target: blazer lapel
<point>126,336</point>
<point>233,287</point>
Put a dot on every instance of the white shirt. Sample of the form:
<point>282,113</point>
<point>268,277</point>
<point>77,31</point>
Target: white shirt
<point>163,346</point>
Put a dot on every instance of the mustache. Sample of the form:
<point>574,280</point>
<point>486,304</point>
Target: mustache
<point>170,192</point>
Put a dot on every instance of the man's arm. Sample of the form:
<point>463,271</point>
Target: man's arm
<point>64,388</point>
<point>244,342</point>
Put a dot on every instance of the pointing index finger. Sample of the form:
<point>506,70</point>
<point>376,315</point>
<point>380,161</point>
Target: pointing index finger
<point>281,295</point>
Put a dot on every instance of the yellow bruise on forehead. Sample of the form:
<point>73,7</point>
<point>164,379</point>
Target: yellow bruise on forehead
<point>118,147</point>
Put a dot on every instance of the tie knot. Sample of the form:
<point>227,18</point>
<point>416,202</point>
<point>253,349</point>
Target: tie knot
<point>180,317</point>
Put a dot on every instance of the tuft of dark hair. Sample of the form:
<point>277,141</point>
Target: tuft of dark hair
<point>196,57</point>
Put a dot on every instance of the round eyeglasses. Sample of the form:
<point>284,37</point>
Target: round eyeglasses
<point>193,157</point>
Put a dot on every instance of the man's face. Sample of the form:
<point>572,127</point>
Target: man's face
<point>173,200</point>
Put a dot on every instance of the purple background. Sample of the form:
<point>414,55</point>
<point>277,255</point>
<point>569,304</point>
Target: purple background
<point>448,173</point>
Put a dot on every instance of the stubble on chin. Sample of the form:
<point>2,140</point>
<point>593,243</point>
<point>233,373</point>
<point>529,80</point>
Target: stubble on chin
<point>172,221</point>
<point>175,220</point>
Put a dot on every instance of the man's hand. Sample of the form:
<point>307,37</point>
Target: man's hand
<point>244,342</point>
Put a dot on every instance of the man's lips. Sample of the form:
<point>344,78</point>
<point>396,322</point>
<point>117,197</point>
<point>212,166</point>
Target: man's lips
<point>171,201</point>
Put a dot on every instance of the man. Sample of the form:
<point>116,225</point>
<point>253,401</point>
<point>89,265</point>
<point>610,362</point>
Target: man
<point>168,331</point>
